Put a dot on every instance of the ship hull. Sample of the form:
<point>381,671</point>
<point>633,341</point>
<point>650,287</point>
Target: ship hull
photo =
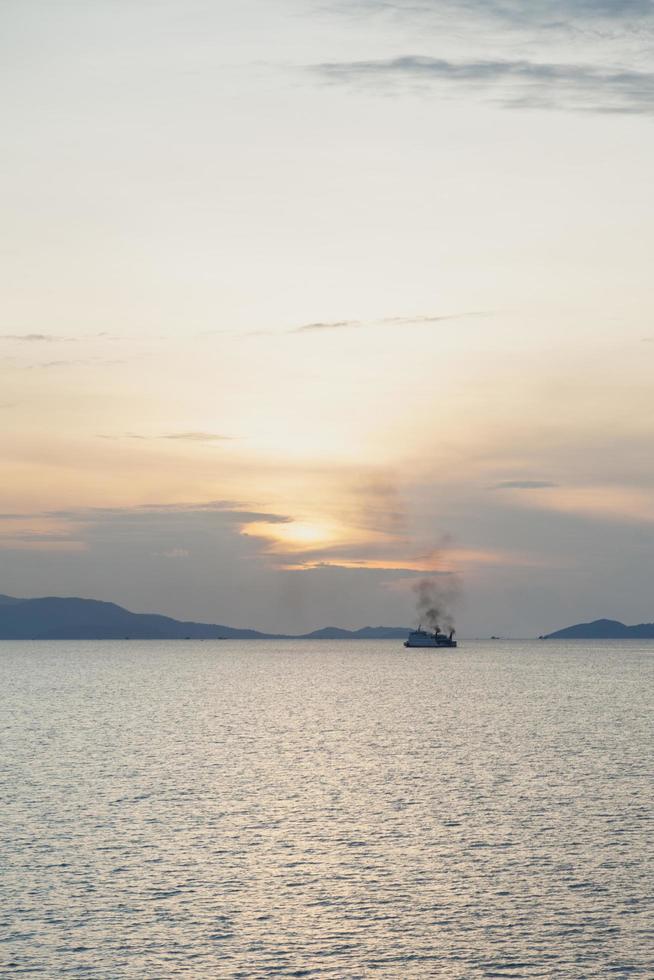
<point>448,644</point>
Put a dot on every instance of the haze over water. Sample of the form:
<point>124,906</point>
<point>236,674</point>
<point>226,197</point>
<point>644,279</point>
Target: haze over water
<point>326,809</point>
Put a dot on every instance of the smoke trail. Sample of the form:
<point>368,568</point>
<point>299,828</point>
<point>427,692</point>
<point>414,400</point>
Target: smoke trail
<point>435,598</point>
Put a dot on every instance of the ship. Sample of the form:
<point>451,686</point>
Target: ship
<point>424,638</point>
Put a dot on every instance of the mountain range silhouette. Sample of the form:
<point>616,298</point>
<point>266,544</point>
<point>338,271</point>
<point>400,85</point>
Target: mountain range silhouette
<point>55,618</point>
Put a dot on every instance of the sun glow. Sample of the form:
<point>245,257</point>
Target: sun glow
<point>295,535</point>
<point>301,533</point>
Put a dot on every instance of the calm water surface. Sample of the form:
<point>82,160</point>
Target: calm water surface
<point>214,809</point>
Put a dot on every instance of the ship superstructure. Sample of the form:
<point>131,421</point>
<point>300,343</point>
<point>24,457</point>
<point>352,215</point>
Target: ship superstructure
<point>425,638</point>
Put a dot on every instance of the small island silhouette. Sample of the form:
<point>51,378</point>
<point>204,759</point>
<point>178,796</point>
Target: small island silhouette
<point>603,629</point>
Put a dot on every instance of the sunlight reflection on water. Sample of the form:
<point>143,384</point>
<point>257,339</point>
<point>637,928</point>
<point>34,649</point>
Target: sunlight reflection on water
<point>218,809</point>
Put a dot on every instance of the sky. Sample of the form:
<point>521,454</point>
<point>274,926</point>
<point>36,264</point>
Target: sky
<point>306,301</point>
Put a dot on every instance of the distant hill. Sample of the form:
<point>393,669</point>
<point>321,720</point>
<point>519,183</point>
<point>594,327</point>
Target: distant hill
<point>604,629</point>
<point>54,618</point>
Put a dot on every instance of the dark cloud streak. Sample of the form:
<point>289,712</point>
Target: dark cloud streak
<point>518,13</point>
<point>510,84</point>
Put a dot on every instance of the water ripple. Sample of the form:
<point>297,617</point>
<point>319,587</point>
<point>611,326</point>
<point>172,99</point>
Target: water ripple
<point>265,810</point>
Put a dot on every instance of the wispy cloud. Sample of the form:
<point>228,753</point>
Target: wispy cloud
<point>52,338</point>
<point>430,318</point>
<point>81,362</point>
<point>198,437</point>
<point>34,338</point>
<point>510,84</point>
<point>610,503</point>
<point>325,326</point>
<point>333,325</point>
<point>418,319</point>
<point>232,510</point>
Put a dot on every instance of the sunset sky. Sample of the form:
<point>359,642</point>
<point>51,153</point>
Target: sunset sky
<point>303,301</point>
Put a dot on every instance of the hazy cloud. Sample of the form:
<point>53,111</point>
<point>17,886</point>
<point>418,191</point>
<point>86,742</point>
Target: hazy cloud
<point>37,536</point>
<point>523,485</point>
<point>511,84</point>
<point>165,524</point>
<point>174,553</point>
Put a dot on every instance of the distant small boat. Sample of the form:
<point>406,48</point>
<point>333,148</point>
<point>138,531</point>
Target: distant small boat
<point>424,638</point>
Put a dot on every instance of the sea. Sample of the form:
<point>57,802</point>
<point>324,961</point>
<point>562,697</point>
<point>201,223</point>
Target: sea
<point>326,809</point>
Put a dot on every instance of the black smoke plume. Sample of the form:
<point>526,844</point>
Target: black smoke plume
<point>435,600</point>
